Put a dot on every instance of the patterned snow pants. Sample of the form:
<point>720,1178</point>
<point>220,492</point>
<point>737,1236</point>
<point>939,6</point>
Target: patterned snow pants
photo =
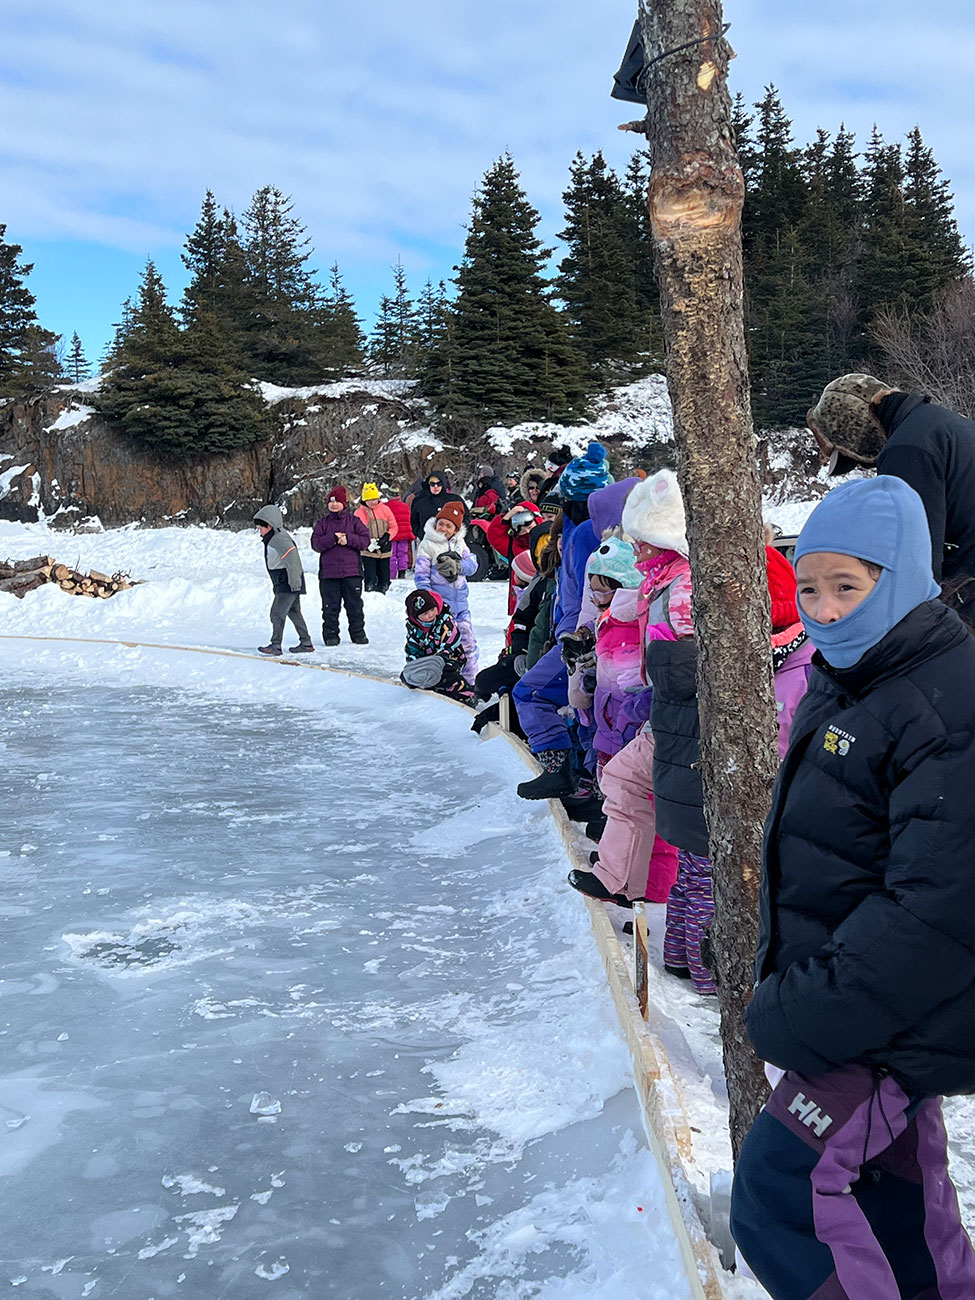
<point>842,1192</point>
<point>690,912</point>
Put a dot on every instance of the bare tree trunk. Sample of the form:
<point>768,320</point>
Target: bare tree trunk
<point>696,196</point>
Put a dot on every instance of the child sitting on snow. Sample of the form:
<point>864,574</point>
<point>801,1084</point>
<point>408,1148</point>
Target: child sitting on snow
<point>443,565</point>
<point>434,651</point>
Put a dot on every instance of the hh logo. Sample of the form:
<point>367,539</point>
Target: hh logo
<point>810,1114</point>
<point>838,742</point>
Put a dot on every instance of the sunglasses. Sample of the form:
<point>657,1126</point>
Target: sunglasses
<point>435,482</point>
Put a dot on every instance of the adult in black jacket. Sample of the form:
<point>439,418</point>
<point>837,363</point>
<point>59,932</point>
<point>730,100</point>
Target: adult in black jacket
<point>430,501</point>
<point>866,963</point>
<point>859,420</point>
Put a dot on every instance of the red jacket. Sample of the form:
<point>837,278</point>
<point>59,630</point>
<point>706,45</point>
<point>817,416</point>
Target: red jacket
<point>499,534</point>
<point>401,513</point>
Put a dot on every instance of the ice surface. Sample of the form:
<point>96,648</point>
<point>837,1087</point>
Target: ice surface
<point>230,886</point>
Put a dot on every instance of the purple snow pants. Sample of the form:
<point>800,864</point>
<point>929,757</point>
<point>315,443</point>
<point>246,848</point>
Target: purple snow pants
<point>399,561</point>
<point>842,1192</point>
<point>690,914</point>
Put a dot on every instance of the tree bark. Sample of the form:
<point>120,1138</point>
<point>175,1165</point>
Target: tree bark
<point>695,201</point>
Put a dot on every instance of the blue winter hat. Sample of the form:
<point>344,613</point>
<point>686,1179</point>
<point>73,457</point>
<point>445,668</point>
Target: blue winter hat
<point>880,520</point>
<point>614,558</point>
<point>584,474</point>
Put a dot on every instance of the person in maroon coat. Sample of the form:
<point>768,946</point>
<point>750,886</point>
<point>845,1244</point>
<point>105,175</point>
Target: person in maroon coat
<point>339,537</point>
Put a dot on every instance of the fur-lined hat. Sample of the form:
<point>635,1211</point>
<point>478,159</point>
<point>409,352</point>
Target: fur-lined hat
<point>843,417</point>
<point>654,513</point>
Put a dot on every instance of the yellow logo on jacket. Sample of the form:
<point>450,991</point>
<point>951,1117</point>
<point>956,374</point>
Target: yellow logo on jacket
<point>838,742</point>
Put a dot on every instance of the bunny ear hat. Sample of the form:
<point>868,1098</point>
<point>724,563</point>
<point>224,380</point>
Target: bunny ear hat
<point>654,513</point>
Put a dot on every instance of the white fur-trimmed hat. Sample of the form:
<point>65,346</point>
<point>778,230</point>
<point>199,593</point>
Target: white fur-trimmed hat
<point>654,513</point>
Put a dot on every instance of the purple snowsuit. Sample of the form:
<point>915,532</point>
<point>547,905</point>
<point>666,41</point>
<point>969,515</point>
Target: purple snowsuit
<point>544,689</point>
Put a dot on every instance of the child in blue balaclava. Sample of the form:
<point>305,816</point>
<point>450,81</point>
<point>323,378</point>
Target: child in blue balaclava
<point>865,999</point>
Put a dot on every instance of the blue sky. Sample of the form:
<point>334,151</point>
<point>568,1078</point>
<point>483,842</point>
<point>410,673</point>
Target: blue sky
<point>380,119</point>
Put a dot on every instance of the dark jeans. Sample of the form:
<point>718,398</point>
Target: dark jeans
<point>375,572</point>
<point>285,605</point>
<point>334,592</point>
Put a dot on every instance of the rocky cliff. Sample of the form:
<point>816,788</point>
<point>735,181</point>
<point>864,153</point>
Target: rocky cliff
<point>59,459</point>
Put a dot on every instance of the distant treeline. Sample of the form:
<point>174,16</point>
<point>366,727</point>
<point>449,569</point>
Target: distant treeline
<point>837,246</point>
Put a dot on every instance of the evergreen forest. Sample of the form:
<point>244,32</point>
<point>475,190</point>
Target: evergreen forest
<point>851,252</point>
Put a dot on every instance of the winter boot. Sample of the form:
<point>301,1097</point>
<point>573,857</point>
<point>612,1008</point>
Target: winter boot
<point>556,778</point>
<point>595,828</point>
<point>268,649</point>
<point>308,649</point>
<point>583,805</point>
<point>361,639</point>
<point>593,887</point>
<point>331,640</point>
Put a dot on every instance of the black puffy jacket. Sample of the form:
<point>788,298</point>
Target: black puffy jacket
<point>867,930</point>
<point>678,794</point>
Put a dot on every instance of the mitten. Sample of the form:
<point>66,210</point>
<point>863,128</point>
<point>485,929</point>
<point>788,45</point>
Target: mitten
<point>384,542</point>
<point>448,565</point>
<point>576,643</point>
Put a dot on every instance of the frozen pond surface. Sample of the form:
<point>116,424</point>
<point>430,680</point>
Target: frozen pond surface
<point>294,1002</point>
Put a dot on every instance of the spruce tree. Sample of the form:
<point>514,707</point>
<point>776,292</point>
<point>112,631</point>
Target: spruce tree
<point>597,278</point>
<point>179,392</point>
<point>340,342</point>
<point>395,344</point>
<point>886,264</point>
<point>511,356</point>
<point>282,339</point>
<point>27,358</point>
<point>931,230</point>
<point>76,365</point>
<point>218,275</point>
<point>636,185</point>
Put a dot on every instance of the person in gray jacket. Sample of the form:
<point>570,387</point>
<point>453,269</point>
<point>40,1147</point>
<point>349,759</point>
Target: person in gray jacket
<point>287,579</point>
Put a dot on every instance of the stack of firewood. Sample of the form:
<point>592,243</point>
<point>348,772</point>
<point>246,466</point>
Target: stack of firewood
<point>22,576</point>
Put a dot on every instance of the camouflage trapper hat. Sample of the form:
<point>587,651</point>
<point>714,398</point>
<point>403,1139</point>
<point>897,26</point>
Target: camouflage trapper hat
<point>842,416</point>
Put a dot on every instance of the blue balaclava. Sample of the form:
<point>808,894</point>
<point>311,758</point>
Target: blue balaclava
<point>881,520</point>
<point>584,474</point>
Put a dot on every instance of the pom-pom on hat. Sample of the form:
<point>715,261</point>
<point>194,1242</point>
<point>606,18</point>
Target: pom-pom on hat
<point>453,512</point>
<point>370,492</point>
<point>615,559</point>
<point>338,494</point>
<point>654,513</point>
<point>843,416</point>
<point>584,474</point>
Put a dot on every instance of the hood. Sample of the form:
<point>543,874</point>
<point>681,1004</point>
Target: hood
<point>270,515</point>
<point>531,475</point>
<point>606,505</point>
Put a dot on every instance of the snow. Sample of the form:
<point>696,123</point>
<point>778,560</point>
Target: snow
<point>295,995</point>
<point>393,389</point>
<point>638,413</point>
<point>71,416</point>
<point>8,476</point>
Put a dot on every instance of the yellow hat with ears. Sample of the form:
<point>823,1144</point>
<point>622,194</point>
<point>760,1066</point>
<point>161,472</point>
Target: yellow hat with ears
<point>370,492</point>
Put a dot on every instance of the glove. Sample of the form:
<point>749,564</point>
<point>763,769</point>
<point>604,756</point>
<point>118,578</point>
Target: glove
<point>521,664</point>
<point>588,682</point>
<point>448,565</point>
<point>384,542</point>
<point>575,644</point>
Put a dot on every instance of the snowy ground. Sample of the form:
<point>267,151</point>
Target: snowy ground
<point>295,1001</point>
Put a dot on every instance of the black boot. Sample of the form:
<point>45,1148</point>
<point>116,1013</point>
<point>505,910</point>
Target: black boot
<point>584,807</point>
<point>595,828</point>
<point>593,887</point>
<point>555,779</point>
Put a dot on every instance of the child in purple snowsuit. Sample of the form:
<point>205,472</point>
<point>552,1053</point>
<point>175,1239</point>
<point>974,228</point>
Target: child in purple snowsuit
<point>443,564</point>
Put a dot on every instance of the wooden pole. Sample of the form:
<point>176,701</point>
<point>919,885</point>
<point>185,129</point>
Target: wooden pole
<point>695,202</point>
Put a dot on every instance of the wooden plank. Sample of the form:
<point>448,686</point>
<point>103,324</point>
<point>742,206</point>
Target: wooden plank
<point>641,961</point>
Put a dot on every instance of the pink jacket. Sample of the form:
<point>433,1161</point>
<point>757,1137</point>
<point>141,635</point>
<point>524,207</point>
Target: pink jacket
<point>378,519</point>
